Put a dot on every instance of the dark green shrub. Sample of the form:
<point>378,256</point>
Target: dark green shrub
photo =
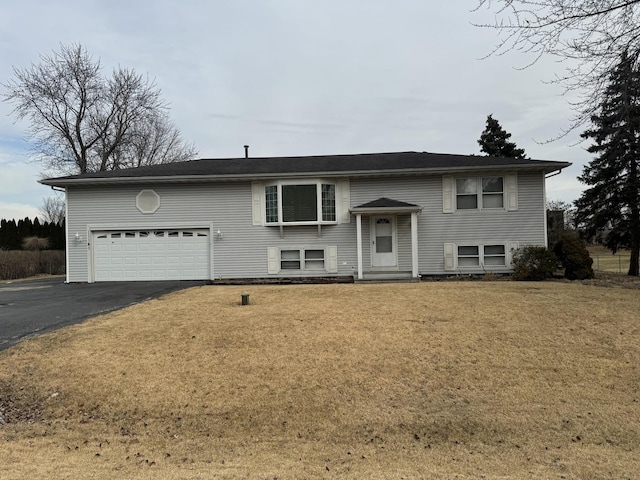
<point>533,263</point>
<point>574,257</point>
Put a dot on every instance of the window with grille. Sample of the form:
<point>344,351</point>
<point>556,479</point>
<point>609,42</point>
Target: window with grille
<point>479,192</point>
<point>300,203</point>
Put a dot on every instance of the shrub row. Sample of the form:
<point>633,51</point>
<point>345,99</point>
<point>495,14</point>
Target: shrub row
<point>22,264</point>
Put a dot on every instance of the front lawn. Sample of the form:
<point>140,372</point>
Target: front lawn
<point>434,380</point>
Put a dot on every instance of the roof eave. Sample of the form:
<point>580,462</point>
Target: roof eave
<point>374,210</point>
<point>70,181</point>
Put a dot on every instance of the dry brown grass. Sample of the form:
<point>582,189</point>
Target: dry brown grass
<point>430,380</point>
<point>605,261</point>
<point>16,264</point>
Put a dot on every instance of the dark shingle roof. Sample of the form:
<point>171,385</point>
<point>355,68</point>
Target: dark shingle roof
<point>361,164</point>
<point>385,202</point>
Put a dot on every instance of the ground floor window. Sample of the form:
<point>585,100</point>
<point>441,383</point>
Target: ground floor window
<point>481,255</point>
<point>495,255</point>
<point>310,260</point>
<point>302,259</point>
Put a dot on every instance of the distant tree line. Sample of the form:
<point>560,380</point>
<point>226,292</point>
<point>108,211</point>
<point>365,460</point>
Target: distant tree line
<point>27,234</point>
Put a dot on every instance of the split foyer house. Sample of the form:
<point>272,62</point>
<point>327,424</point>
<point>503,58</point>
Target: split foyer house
<point>384,215</point>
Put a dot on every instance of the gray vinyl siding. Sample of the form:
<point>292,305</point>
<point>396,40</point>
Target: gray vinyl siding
<point>241,253</point>
<point>243,250</point>
<point>463,227</point>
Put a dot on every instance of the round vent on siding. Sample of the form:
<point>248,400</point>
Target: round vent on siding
<point>148,201</point>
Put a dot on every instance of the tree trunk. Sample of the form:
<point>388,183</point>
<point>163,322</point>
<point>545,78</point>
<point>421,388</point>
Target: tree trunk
<point>635,240</point>
<point>633,264</point>
<point>634,212</point>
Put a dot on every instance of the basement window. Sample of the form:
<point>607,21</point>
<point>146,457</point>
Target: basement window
<point>481,255</point>
<point>302,259</point>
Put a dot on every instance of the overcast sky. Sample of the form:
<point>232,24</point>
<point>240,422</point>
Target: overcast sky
<point>298,77</point>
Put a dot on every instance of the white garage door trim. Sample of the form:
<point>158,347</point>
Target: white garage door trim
<point>151,254</point>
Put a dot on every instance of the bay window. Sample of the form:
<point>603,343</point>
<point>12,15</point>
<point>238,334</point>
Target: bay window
<point>300,203</point>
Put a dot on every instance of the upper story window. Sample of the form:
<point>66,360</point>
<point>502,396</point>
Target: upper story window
<point>300,203</point>
<point>479,192</point>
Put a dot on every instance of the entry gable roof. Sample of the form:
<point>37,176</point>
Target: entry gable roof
<point>370,164</point>
<point>386,205</point>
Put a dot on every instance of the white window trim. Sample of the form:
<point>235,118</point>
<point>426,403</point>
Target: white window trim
<point>342,201</point>
<point>480,193</point>
<point>318,183</point>
<point>509,193</point>
<point>451,262</point>
<point>479,256</point>
<point>141,208</point>
<point>330,260</point>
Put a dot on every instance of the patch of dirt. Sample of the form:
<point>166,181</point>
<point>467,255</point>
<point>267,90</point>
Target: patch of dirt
<point>19,404</point>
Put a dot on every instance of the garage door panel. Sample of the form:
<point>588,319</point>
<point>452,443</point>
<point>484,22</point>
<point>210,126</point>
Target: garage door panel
<point>151,255</point>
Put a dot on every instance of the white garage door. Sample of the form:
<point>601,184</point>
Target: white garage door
<point>128,255</point>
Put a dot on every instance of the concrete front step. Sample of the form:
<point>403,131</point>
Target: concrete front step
<point>393,277</point>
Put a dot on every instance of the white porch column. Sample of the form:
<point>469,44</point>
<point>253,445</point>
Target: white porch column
<point>359,240</point>
<point>414,244</point>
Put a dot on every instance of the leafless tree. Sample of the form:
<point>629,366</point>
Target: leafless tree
<point>590,36</point>
<point>81,121</point>
<point>35,243</point>
<point>52,210</point>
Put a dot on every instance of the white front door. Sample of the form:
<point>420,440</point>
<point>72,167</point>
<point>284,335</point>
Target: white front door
<point>383,241</point>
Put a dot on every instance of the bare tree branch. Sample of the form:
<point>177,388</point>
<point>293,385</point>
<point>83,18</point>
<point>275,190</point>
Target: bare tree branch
<point>590,36</point>
<point>52,210</point>
<point>80,121</point>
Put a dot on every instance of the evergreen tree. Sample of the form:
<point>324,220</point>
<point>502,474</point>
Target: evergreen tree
<point>494,141</point>
<point>612,201</point>
<point>10,238</point>
<point>56,236</point>
<point>25,228</point>
<point>12,234</point>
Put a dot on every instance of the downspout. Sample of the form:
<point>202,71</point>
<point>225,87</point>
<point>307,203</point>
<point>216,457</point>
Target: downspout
<point>66,234</point>
<point>544,210</point>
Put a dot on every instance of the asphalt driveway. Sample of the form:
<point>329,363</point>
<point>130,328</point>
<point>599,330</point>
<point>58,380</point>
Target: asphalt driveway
<point>30,308</point>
